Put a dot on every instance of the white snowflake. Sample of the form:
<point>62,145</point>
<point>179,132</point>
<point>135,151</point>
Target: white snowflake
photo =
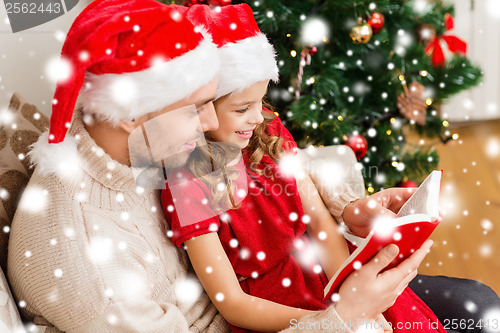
<point>486,225</point>
<point>219,297</point>
<point>493,148</point>
<point>58,70</point>
<point>34,200</point>
<point>335,297</point>
<point>100,250</point>
<point>491,318</point>
<point>314,31</point>
<point>58,272</point>
<point>124,90</point>
<point>6,117</point>
<point>244,253</point>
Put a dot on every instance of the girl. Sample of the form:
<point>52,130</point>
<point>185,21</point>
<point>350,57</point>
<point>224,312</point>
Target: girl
<point>260,248</point>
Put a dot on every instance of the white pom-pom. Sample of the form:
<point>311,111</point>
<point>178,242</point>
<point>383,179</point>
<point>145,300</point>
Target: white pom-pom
<point>56,158</point>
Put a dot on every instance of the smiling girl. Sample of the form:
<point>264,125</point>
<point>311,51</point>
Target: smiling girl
<point>256,261</point>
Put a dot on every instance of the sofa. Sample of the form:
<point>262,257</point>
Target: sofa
<point>22,123</point>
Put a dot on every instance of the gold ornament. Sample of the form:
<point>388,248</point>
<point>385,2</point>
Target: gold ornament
<point>411,103</point>
<point>361,33</point>
<point>425,33</point>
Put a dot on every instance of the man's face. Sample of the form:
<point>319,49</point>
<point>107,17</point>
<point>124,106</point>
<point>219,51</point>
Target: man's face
<point>166,138</point>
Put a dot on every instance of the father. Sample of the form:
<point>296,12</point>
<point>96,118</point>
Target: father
<point>89,251</point>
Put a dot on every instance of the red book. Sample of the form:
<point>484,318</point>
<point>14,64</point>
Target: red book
<point>417,219</point>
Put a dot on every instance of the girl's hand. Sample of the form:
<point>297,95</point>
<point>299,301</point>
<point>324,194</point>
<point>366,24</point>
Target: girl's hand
<point>386,328</point>
<point>366,293</point>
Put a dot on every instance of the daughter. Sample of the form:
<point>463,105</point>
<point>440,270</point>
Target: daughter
<point>260,248</point>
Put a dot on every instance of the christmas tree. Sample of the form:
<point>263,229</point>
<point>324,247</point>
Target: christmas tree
<point>367,73</point>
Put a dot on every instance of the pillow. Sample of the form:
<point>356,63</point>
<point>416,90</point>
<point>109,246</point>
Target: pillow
<point>20,126</point>
<point>10,321</point>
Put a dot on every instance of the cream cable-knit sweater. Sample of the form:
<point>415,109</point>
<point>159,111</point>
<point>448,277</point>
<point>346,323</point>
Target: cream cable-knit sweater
<point>92,255</point>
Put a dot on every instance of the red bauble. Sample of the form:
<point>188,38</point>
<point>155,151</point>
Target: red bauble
<point>376,21</point>
<point>313,50</point>
<point>358,144</point>
<point>406,184</point>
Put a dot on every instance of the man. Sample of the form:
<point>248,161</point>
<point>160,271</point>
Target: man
<point>88,248</point>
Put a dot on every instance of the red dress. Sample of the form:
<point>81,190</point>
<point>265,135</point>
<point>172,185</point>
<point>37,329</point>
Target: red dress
<point>265,238</point>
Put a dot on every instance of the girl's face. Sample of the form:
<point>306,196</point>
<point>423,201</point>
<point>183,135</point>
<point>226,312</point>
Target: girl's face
<point>239,114</point>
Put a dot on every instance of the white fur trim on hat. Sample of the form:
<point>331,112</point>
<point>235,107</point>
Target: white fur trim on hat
<point>127,96</point>
<point>61,158</point>
<point>246,62</point>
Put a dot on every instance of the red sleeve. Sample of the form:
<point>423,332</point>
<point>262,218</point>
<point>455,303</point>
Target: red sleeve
<point>187,210</point>
<point>276,128</point>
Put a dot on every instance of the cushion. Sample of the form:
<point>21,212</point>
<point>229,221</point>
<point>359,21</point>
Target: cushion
<point>20,126</point>
<point>10,321</point>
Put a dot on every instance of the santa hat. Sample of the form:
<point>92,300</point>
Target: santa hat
<point>246,54</point>
<point>129,58</point>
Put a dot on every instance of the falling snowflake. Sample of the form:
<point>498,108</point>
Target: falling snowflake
<point>34,200</point>
<point>485,250</point>
<point>58,272</point>
<point>244,253</point>
<point>219,297</point>
<point>486,225</point>
<point>124,90</point>
<point>188,290</point>
<point>470,306</point>
<point>491,319</point>
<point>493,148</point>
<point>100,250</point>
<point>6,117</point>
<point>58,70</point>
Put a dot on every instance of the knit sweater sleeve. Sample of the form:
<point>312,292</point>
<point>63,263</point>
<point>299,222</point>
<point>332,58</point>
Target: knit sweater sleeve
<point>82,268</point>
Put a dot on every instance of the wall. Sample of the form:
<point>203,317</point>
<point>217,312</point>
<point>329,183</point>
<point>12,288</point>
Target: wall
<point>478,23</point>
<point>25,54</point>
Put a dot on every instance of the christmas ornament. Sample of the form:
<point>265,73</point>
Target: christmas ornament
<point>411,103</point>
<point>425,33</point>
<point>361,33</point>
<point>376,22</point>
<point>454,44</point>
<point>406,183</point>
<point>305,59</point>
<point>358,144</point>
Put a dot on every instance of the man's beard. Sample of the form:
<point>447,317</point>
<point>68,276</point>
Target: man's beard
<point>153,174</point>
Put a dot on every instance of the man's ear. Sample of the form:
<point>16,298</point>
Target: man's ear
<point>128,125</point>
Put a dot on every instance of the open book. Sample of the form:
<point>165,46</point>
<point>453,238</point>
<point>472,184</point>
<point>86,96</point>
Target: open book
<point>418,218</point>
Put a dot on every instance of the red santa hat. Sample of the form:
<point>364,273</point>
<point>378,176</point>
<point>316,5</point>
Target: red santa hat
<point>129,58</point>
<point>246,54</point>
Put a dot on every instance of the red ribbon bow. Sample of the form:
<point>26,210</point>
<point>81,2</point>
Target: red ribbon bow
<point>454,43</point>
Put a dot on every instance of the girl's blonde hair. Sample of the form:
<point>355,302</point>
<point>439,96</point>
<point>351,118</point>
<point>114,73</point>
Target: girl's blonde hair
<point>262,143</point>
<point>217,156</point>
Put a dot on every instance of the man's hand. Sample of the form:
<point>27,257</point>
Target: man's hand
<point>360,214</point>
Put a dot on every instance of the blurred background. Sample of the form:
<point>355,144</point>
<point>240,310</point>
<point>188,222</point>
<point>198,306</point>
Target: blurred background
<point>346,78</point>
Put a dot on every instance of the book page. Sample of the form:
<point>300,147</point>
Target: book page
<point>425,200</point>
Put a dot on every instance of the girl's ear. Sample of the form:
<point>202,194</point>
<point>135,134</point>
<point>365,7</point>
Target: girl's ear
<point>128,125</point>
